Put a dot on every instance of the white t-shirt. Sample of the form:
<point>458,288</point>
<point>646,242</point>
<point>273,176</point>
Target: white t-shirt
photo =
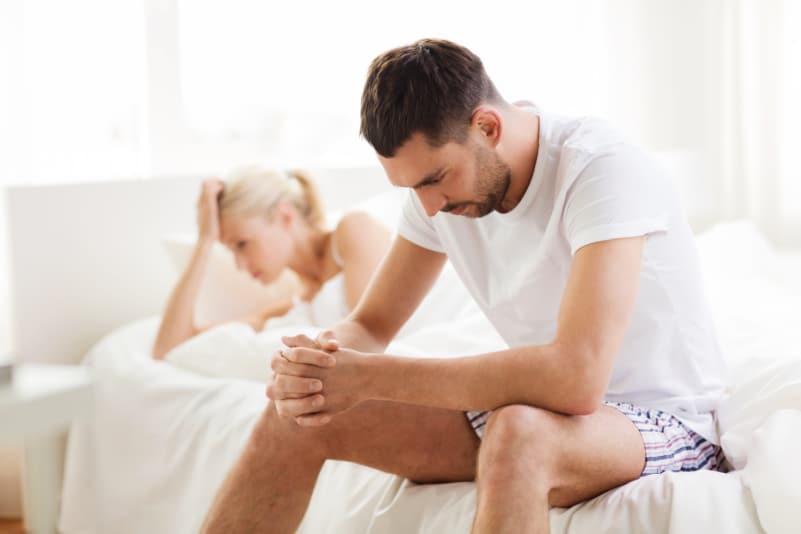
<point>590,185</point>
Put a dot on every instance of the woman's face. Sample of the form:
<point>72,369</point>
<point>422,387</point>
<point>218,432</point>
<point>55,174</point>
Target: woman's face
<point>260,247</point>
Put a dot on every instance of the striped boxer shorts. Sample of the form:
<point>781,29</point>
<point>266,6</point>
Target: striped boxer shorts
<point>669,444</point>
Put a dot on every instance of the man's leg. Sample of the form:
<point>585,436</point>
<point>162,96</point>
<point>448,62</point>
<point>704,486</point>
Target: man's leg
<point>269,487</point>
<point>532,459</point>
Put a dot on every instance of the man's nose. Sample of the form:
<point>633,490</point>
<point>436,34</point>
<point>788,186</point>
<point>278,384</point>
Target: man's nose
<point>432,201</point>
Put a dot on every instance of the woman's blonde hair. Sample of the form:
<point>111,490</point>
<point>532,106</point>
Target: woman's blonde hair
<point>257,190</point>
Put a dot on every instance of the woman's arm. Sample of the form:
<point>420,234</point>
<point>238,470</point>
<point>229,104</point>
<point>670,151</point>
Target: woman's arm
<point>362,243</point>
<point>178,322</point>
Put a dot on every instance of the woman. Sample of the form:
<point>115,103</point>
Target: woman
<point>271,221</point>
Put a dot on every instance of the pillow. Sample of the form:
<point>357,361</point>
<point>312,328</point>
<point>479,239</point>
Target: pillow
<point>772,386</point>
<point>226,292</point>
<point>752,299</point>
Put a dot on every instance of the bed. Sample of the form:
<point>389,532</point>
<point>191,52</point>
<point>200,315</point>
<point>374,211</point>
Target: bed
<point>164,434</point>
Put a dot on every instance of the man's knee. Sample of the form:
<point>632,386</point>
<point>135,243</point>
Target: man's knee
<point>517,424</point>
<point>272,430</point>
<point>518,437</point>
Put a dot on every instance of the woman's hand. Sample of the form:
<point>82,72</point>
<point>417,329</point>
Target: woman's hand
<point>208,213</point>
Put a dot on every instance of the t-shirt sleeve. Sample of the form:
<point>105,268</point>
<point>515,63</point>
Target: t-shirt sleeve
<point>623,194</point>
<point>416,226</point>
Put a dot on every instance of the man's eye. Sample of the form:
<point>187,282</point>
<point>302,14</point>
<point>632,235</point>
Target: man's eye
<point>432,182</point>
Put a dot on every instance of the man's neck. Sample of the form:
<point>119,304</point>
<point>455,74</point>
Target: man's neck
<point>520,147</point>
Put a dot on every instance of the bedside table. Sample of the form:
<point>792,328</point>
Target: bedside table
<point>38,406</point>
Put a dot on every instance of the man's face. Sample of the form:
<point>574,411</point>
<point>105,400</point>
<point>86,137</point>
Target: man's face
<point>467,179</point>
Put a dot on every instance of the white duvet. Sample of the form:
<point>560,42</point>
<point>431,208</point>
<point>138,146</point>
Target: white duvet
<point>163,436</point>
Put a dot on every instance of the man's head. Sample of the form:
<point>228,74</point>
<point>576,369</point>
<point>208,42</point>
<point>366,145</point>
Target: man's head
<point>432,114</point>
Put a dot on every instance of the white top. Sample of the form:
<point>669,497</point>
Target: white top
<point>330,304</point>
<point>590,185</point>
<point>447,300</point>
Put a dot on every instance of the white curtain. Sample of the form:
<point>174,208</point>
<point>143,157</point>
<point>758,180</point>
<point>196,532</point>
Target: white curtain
<point>716,83</point>
<point>763,83</point>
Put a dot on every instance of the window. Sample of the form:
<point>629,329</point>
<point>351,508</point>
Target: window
<point>136,88</point>
<point>71,103</point>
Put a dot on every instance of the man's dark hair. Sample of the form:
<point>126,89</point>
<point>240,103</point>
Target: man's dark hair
<point>431,86</point>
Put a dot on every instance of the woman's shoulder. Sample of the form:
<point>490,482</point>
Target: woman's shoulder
<point>357,230</point>
<point>354,224</point>
<point>356,217</point>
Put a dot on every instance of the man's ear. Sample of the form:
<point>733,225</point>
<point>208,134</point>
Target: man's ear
<point>487,121</point>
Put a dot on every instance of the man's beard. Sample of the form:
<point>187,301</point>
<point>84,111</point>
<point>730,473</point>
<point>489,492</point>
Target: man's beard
<point>494,178</point>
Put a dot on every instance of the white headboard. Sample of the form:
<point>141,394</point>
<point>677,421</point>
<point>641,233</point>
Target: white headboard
<point>86,258</point>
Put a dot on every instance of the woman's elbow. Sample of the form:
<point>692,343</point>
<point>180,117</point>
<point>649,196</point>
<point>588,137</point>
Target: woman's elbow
<point>158,353</point>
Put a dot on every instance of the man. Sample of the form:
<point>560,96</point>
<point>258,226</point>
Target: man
<point>572,242</point>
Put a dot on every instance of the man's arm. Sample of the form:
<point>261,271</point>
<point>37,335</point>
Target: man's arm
<point>400,283</point>
<point>569,375</point>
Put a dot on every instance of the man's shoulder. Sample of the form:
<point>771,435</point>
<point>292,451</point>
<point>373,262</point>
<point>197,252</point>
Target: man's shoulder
<point>592,144</point>
<point>589,135</point>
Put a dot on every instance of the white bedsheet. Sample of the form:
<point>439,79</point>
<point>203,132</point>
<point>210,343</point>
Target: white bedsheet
<point>163,438</point>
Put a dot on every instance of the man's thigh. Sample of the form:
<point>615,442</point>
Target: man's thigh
<point>581,455</point>
<point>601,451</point>
<point>421,443</point>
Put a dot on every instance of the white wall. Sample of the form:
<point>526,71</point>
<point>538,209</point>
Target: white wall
<point>5,297</point>
<point>10,500</point>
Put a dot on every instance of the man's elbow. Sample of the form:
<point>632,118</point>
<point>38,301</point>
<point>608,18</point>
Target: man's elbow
<point>589,385</point>
<point>585,405</point>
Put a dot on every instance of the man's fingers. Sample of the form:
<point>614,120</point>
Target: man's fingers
<point>327,340</point>
<point>300,340</point>
<point>289,387</point>
<point>312,420</point>
<point>306,356</point>
<point>272,395</point>
<point>297,407</point>
<point>282,365</point>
